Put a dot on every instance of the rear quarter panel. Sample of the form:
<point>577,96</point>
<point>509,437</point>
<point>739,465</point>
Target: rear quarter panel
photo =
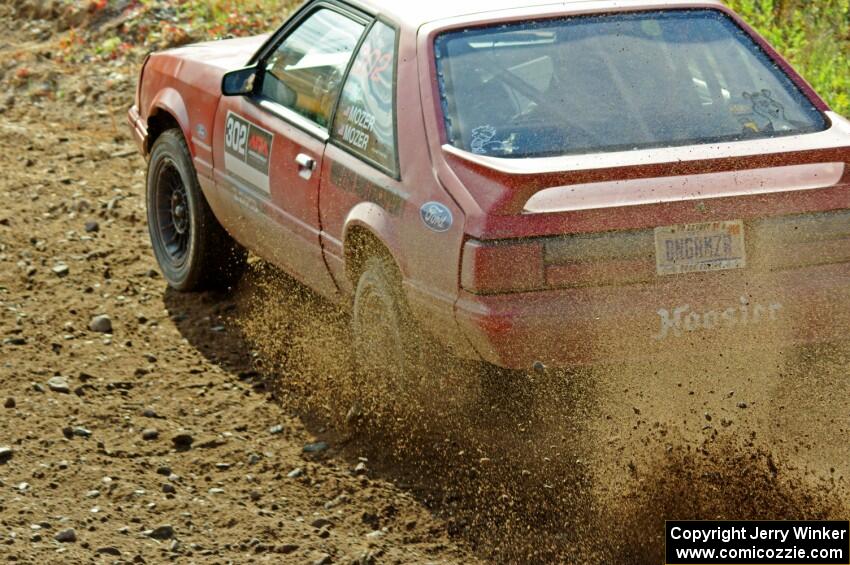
<point>356,195</point>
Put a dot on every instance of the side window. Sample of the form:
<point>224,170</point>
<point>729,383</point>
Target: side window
<point>305,71</point>
<point>365,120</point>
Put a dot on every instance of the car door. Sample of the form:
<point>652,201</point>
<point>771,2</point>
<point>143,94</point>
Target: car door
<point>361,165</point>
<point>270,145</point>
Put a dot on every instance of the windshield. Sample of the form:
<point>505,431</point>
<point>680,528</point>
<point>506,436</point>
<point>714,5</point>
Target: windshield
<point>612,83</point>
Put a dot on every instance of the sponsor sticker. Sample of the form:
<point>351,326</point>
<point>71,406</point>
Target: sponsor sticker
<point>358,127</point>
<point>248,151</point>
<point>437,217</point>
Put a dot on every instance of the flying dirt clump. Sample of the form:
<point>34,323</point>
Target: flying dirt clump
<point>579,466</point>
<point>722,480</point>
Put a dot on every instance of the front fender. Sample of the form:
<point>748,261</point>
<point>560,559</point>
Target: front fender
<point>170,101</point>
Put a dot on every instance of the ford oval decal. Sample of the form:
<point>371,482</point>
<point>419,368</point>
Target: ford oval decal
<point>437,217</point>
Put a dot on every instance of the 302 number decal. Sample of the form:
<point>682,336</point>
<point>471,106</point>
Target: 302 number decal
<point>247,151</point>
<point>236,135</point>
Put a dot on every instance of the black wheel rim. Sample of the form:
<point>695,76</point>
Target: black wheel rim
<point>173,215</point>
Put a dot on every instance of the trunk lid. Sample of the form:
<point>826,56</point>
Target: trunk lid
<point>593,220</point>
<point>649,188</point>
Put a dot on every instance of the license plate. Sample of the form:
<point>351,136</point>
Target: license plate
<point>698,248</point>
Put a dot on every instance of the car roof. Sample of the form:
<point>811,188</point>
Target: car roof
<point>414,14</point>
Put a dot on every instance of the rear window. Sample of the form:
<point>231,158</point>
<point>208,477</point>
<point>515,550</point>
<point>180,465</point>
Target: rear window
<point>612,83</point>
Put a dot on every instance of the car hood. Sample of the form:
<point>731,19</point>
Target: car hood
<point>199,68</point>
<point>227,54</point>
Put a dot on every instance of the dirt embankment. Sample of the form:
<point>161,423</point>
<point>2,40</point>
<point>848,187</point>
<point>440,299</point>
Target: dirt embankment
<point>212,428</point>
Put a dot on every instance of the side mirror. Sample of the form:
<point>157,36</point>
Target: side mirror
<point>239,82</point>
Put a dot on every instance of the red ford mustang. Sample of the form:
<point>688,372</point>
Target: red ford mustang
<point>539,185</point>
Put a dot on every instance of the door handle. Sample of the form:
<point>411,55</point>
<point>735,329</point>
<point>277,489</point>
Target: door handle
<point>306,165</point>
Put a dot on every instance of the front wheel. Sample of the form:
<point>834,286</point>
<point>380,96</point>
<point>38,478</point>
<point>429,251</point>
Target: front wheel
<point>193,250</point>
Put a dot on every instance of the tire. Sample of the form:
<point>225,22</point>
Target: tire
<point>193,250</point>
<point>388,350</point>
<point>398,366</point>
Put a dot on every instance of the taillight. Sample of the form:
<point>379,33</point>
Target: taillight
<point>504,266</point>
<point>567,261</point>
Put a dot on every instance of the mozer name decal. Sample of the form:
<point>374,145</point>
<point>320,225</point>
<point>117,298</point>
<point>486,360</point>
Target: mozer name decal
<point>247,151</point>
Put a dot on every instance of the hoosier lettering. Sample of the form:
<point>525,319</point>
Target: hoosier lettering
<point>683,319</point>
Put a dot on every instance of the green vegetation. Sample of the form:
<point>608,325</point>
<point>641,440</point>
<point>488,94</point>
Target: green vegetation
<point>234,17</point>
<point>814,35</point>
<point>149,25</point>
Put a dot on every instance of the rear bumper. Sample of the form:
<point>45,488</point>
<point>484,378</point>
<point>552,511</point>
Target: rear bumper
<point>602,324</point>
<point>139,129</point>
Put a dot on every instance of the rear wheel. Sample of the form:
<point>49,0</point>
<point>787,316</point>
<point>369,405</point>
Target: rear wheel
<point>399,367</point>
<point>387,347</point>
<point>193,250</point>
